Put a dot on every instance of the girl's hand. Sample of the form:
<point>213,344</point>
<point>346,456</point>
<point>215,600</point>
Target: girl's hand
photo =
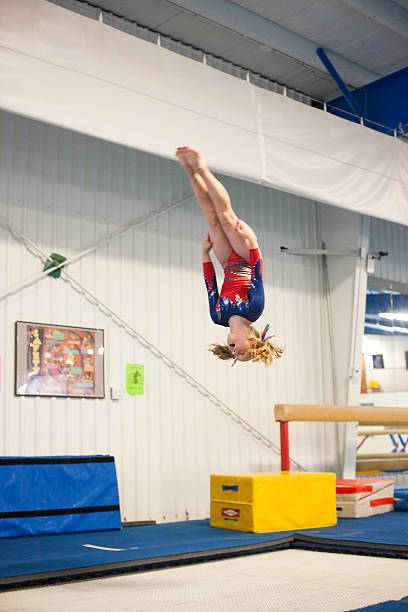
<point>208,245</point>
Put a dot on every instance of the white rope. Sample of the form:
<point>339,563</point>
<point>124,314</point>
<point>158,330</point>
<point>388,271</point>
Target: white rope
<point>30,246</point>
<point>143,341</point>
<point>70,260</point>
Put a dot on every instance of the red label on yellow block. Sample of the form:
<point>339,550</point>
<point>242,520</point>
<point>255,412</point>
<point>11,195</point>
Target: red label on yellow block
<point>230,512</point>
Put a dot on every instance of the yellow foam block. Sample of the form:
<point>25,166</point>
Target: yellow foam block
<point>273,501</point>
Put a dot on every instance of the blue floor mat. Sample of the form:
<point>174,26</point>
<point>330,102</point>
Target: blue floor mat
<point>53,553</point>
<point>384,530</point>
<point>27,561</point>
<point>401,492</point>
<point>387,606</point>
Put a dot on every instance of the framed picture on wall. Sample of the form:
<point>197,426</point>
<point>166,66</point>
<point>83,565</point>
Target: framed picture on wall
<point>378,361</point>
<point>406,360</point>
<point>54,360</point>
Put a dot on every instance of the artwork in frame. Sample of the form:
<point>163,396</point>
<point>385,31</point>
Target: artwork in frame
<point>56,360</point>
<point>378,361</point>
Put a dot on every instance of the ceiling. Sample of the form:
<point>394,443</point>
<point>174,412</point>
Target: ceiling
<point>364,39</point>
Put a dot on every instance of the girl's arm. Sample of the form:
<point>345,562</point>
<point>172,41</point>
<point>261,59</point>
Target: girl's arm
<point>256,296</point>
<point>256,263</point>
<point>212,289</point>
<point>207,246</point>
<point>210,278</point>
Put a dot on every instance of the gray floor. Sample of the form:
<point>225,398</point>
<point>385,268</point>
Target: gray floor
<point>281,581</point>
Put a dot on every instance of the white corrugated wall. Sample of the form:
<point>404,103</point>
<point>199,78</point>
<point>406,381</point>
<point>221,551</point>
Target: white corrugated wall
<point>64,191</point>
<point>393,239</point>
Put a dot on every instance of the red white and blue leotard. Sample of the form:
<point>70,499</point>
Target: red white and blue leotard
<point>242,292</point>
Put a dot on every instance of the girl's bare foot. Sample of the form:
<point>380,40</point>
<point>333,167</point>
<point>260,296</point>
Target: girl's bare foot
<point>191,158</point>
<point>183,161</point>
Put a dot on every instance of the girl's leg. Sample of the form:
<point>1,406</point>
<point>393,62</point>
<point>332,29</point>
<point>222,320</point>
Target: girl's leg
<point>221,201</point>
<point>221,245</point>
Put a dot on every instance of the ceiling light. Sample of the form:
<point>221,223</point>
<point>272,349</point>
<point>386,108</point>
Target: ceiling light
<point>400,316</point>
<point>389,330</point>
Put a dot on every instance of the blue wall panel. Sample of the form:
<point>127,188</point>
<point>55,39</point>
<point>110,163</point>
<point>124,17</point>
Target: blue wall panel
<point>384,101</point>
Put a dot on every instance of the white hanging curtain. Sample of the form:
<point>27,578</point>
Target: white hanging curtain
<point>62,68</point>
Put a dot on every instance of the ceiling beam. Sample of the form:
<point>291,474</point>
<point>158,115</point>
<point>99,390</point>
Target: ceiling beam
<point>352,102</point>
<point>385,12</point>
<point>276,37</point>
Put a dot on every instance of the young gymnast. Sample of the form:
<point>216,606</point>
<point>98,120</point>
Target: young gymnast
<point>241,299</point>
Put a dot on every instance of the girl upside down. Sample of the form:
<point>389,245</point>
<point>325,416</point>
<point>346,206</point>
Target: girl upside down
<point>241,299</point>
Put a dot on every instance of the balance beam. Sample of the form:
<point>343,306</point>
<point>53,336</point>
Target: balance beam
<point>363,415</point>
<point>364,456</point>
<point>400,462</point>
<point>383,432</point>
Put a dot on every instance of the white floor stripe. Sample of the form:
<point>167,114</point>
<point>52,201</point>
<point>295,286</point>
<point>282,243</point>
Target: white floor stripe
<point>102,547</point>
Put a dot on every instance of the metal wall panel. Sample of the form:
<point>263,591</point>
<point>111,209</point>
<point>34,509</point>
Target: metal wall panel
<point>393,239</point>
<point>64,191</point>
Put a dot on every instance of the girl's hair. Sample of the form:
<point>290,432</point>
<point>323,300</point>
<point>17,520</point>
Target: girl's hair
<point>261,350</point>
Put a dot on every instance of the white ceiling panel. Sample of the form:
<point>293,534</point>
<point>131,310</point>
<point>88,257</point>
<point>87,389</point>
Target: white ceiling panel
<point>260,59</point>
<point>378,49</point>
<point>276,11</point>
<point>302,79</point>
<point>152,14</point>
<point>329,23</point>
<point>280,69</point>
<point>199,33</point>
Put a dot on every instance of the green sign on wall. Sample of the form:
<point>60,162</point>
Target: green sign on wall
<point>135,379</point>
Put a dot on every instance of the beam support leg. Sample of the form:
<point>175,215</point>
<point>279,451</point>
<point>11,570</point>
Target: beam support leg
<point>284,441</point>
